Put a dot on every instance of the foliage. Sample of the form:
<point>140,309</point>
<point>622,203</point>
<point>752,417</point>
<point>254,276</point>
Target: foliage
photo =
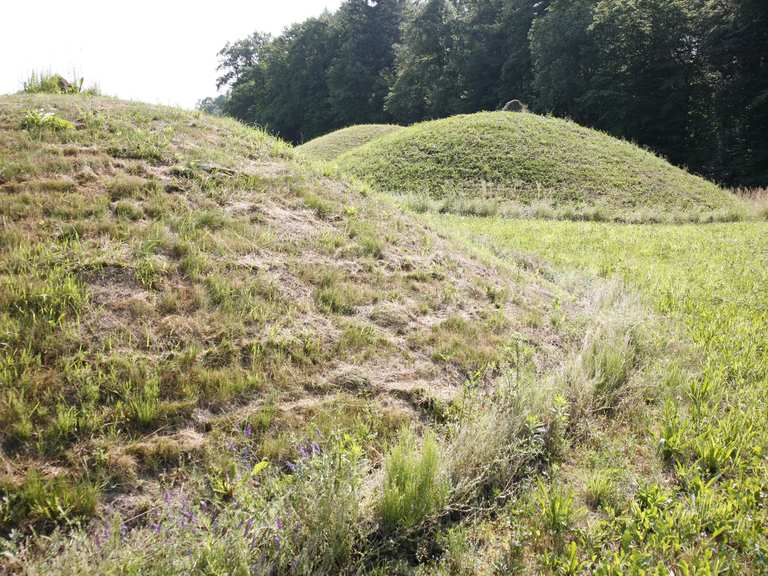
<point>38,121</point>
<point>358,76</point>
<point>213,106</point>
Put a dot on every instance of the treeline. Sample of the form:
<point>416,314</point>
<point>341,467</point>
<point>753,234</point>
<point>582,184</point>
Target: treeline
<point>686,78</point>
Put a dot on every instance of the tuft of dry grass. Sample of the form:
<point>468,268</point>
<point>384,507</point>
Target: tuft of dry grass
<point>757,198</point>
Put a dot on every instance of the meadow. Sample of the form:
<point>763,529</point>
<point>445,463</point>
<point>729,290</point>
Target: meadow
<point>708,427</point>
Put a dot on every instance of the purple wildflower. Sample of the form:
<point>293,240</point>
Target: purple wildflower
<point>188,515</point>
<point>248,430</point>
<point>279,524</point>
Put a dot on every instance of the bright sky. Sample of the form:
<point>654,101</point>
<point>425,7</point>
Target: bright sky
<point>157,51</point>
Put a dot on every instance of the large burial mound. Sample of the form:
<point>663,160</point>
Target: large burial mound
<point>332,145</point>
<point>170,279</point>
<point>531,160</point>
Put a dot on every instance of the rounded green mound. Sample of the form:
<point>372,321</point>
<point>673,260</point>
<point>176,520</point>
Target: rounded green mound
<point>535,163</point>
<point>333,144</point>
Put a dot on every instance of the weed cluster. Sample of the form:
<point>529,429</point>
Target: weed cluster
<point>49,83</point>
<point>36,121</point>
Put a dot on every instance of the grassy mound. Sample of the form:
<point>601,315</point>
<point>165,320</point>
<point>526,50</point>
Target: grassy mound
<point>552,166</point>
<point>182,301</point>
<point>336,143</point>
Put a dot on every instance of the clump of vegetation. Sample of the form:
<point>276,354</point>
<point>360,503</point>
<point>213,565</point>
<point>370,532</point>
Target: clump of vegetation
<point>49,83</point>
<point>413,486</point>
<point>37,121</point>
<point>757,198</point>
<point>45,502</point>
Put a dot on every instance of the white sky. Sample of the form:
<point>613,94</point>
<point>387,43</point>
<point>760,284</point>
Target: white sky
<point>157,51</point>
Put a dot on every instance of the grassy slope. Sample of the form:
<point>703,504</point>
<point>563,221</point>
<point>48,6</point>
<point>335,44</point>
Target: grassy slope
<point>708,511</point>
<point>530,159</point>
<point>182,300</point>
<point>330,146</point>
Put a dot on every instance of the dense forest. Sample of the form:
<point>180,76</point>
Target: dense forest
<point>685,78</point>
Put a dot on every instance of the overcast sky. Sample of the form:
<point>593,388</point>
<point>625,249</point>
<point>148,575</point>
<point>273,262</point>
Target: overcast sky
<point>158,51</point>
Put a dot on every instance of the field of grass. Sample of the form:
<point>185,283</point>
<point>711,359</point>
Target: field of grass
<point>699,504</point>
<point>330,146</point>
<point>525,164</point>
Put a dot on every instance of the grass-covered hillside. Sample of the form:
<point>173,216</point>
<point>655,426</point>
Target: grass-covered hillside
<point>216,358</point>
<point>330,146</point>
<point>210,355</point>
<point>548,167</point>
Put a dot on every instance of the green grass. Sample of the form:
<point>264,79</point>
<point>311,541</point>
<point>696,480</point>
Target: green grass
<point>330,146</point>
<point>525,164</point>
<point>413,488</point>
<point>707,429</point>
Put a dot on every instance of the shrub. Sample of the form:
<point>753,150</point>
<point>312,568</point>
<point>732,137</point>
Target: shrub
<point>608,361</point>
<point>617,347</point>
<point>501,437</point>
<point>39,120</point>
<point>413,486</point>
